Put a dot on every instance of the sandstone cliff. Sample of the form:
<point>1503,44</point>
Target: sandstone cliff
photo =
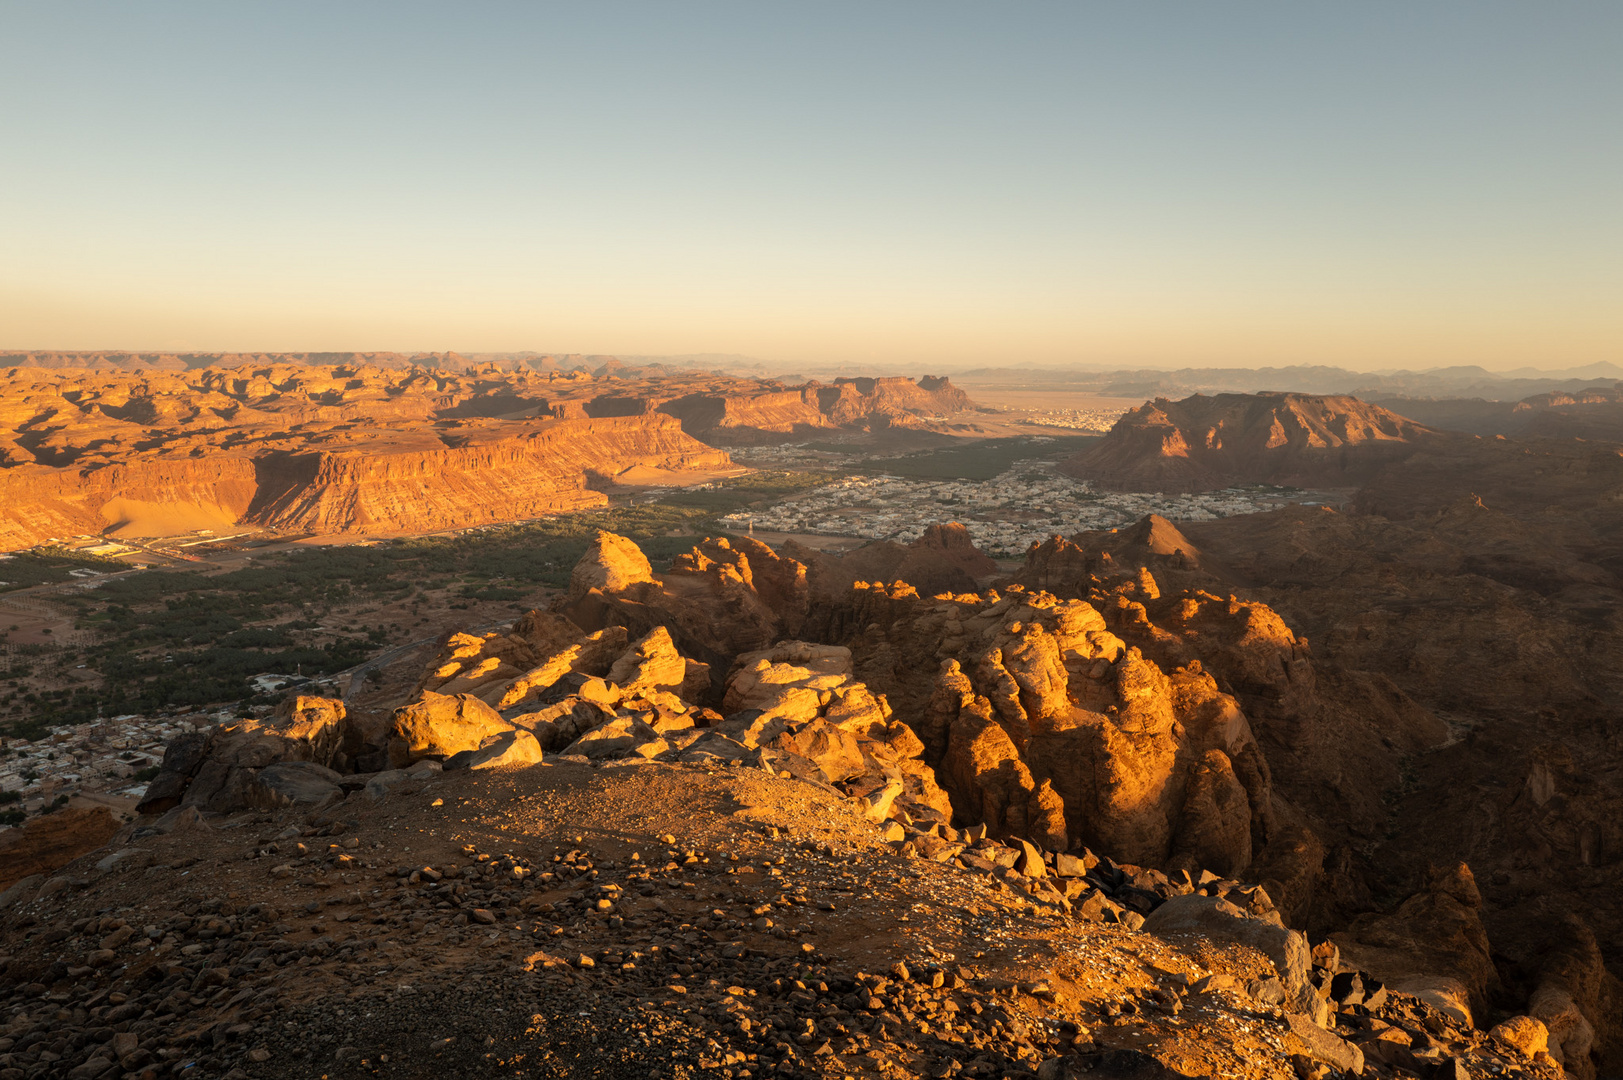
<point>500,478</point>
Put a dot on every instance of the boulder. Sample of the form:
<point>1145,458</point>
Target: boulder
<point>437,726</point>
<point>510,748</point>
<point>379,785</point>
<point>294,783</point>
<point>315,722</point>
<point>617,738</point>
<point>1219,919</point>
<point>180,819</point>
<point>836,753</point>
<point>611,565</point>
<point>713,747</point>
<point>181,759</point>
<point>21,891</point>
<point>1523,1034</point>
<point>125,859</point>
<point>652,662</point>
<point>877,803</point>
<point>1320,1045</point>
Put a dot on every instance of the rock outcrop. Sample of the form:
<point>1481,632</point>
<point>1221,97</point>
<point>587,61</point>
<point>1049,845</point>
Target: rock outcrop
<point>1045,724</point>
<point>1201,443</point>
<point>722,598</point>
<point>1432,946</point>
<point>219,769</point>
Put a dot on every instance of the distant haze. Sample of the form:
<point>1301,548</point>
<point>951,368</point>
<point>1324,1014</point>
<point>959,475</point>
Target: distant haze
<point>931,186</point>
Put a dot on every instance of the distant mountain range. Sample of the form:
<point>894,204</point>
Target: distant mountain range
<point>1449,382</point>
<point>1389,387</point>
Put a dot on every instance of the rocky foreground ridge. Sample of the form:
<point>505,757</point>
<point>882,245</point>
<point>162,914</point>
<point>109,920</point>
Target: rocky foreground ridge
<point>361,449</point>
<point>746,819</point>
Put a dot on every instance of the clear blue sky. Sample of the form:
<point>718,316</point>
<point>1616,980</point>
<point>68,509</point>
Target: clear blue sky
<point>1374,184</point>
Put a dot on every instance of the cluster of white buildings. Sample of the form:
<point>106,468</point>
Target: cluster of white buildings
<point>1089,421</point>
<point>1005,515</point>
<point>100,758</point>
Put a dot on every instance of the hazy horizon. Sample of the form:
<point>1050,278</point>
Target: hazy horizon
<point>947,186</point>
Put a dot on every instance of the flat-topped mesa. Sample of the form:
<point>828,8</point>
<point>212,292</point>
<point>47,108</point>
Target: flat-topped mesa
<point>385,481</point>
<point>1201,443</point>
<point>771,415</point>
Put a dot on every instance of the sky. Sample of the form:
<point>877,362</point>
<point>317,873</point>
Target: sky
<point>1376,185</point>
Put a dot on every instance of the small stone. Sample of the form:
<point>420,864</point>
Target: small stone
<point>1265,991</point>
<point>483,915</point>
<point>1207,984</point>
<point>1069,866</point>
<point>1308,1069</point>
<point>1030,860</point>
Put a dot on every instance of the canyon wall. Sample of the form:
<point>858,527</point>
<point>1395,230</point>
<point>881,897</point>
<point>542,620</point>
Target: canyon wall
<point>41,503</point>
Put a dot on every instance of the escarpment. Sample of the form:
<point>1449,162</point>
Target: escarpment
<point>354,448</point>
<point>399,484</point>
<point>474,481</point>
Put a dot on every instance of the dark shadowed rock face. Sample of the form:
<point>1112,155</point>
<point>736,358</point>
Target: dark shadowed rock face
<point>943,560</point>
